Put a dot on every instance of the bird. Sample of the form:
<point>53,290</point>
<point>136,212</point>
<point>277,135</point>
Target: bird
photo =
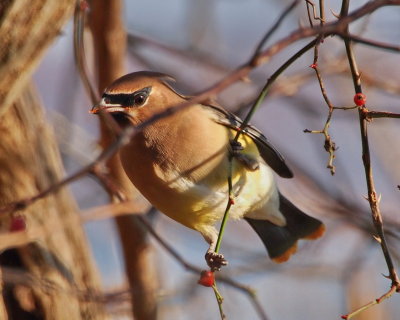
<point>180,163</point>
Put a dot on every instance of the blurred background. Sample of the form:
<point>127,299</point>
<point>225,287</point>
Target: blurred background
<point>198,43</point>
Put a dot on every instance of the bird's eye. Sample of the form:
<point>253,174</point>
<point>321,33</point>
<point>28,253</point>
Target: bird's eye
<point>139,99</point>
<point>107,100</point>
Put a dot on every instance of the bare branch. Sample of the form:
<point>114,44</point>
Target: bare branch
<point>274,28</point>
<point>371,43</point>
<point>366,157</point>
<point>381,114</point>
<point>370,304</point>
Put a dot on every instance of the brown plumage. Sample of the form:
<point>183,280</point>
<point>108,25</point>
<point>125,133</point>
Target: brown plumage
<point>180,164</point>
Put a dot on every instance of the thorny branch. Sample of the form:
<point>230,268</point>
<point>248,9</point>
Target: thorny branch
<point>365,116</point>
<point>371,43</point>
<point>380,114</point>
<point>329,145</point>
<point>373,198</point>
<point>274,27</point>
<point>315,15</point>
<point>372,195</point>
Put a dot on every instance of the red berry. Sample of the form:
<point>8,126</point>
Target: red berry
<point>314,66</point>
<point>206,278</point>
<point>360,99</point>
<point>17,224</point>
<point>231,201</point>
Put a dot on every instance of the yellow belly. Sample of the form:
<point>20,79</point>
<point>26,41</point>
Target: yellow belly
<point>200,199</point>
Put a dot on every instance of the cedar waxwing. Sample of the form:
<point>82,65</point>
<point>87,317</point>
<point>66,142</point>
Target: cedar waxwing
<point>180,164</point>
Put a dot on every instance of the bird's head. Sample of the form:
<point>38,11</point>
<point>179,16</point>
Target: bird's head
<point>138,96</point>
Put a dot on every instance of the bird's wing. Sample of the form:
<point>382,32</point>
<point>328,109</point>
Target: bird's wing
<point>267,151</point>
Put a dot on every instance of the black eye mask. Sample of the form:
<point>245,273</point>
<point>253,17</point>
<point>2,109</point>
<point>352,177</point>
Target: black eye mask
<point>135,99</point>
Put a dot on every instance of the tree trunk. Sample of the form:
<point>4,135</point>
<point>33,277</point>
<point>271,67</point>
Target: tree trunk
<point>110,50</point>
<point>53,248</point>
<point>27,28</point>
<point>30,162</point>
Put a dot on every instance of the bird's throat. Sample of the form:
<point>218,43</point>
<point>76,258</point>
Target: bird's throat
<point>121,118</point>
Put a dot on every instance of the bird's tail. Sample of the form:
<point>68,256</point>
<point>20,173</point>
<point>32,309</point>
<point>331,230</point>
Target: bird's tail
<point>281,242</point>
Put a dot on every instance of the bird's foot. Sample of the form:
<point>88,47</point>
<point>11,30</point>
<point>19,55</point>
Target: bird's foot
<point>248,161</point>
<point>236,146</point>
<point>215,260</point>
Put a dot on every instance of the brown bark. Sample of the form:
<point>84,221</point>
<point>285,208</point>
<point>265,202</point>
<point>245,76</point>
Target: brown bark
<point>30,162</point>
<point>27,28</point>
<point>110,49</point>
<point>3,311</point>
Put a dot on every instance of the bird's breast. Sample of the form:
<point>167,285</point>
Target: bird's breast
<point>176,167</point>
<point>183,172</point>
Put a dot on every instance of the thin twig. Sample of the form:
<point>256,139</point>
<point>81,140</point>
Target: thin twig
<point>371,43</point>
<point>316,17</point>
<point>372,195</point>
<point>229,204</point>
<point>188,266</point>
<point>308,3</point>
<point>345,108</point>
<point>329,144</point>
<point>81,9</point>
<point>370,304</point>
<point>275,26</point>
<point>269,83</point>
<point>220,300</point>
<point>381,114</point>
<point>373,199</point>
<point>327,29</point>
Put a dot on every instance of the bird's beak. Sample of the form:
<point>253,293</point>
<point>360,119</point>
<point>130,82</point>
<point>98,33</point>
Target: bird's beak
<point>104,107</point>
<point>95,109</point>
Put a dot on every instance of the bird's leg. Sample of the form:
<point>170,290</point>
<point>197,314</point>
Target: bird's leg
<point>248,161</point>
<point>214,260</point>
<point>236,146</point>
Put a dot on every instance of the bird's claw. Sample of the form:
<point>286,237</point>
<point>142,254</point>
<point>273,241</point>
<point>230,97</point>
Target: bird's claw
<point>215,260</point>
<point>248,161</point>
<point>236,146</point>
